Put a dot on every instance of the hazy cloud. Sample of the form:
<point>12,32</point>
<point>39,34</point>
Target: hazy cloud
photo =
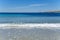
<point>37,5</point>
<point>32,5</point>
<point>27,8</point>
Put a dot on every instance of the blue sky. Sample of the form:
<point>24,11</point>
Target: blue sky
<point>29,5</point>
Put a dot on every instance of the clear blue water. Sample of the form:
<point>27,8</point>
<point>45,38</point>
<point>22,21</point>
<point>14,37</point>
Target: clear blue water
<point>29,17</point>
<point>33,33</point>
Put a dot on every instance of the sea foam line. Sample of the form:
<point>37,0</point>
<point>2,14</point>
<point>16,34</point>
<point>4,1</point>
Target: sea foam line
<point>29,25</point>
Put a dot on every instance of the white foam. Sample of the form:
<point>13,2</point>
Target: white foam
<point>30,25</point>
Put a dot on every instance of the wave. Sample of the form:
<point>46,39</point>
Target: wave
<point>30,25</point>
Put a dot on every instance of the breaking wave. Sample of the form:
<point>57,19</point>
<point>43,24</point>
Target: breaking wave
<point>35,25</point>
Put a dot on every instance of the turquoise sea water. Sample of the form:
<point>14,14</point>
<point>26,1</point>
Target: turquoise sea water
<point>48,32</point>
<point>29,17</point>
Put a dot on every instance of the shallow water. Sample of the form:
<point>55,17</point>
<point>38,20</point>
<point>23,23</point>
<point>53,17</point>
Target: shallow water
<point>30,34</point>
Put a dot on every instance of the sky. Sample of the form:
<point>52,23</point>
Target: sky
<point>29,5</point>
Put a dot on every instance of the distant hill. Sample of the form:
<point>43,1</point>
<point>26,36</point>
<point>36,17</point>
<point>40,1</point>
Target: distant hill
<point>54,11</point>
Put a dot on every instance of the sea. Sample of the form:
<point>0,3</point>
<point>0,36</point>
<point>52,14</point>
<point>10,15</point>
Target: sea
<point>30,26</point>
<point>29,17</point>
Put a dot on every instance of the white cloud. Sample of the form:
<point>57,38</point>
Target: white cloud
<point>32,5</point>
<point>37,5</point>
<point>27,8</point>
